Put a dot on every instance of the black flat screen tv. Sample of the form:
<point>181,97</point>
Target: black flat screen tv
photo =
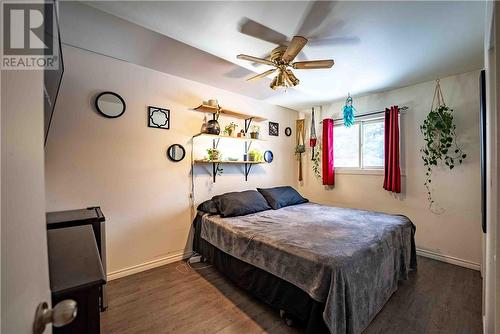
<point>51,77</point>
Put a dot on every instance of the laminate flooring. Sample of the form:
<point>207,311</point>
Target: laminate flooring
<point>438,298</point>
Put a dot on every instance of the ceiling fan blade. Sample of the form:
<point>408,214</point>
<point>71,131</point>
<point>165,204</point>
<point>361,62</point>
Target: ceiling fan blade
<point>262,75</point>
<point>313,64</point>
<point>256,60</point>
<point>334,41</point>
<point>254,29</point>
<point>293,49</point>
<point>317,13</point>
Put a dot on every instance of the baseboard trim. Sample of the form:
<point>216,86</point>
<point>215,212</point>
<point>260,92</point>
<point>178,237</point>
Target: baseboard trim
<point>449,259</point>
<point>147,265</point>
<point>184,255</point>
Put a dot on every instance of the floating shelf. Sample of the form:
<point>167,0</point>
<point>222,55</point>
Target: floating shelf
<point>227,162</point>
<point>213,110</point>
<point>215,165</point>
<point>207,135</point>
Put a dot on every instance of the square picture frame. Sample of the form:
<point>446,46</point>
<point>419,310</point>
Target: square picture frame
<point>274,129</point>
<point>158,118</point>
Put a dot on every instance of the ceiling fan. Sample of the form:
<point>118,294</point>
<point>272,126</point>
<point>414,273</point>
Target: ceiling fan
<point>281,59</point>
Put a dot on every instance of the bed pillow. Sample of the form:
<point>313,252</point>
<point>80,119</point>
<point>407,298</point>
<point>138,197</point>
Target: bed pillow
<point>240,203</point>
<point>279,197</point>
<point>209,207</point>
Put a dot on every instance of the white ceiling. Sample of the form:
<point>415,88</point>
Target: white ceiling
<point>377,45</point>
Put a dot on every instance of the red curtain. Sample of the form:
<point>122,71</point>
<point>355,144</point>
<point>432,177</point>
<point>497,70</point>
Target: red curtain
<point>328,167</point>
<point>392,170</point>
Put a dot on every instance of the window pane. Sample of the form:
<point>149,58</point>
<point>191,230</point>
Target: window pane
<point>346,146</point>
<point>373,144</point>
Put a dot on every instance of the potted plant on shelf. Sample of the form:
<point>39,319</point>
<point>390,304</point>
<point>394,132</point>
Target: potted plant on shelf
<point>255,132</point>
<point>255,155</point>
<point>230,129</point>
<point>213,154</point>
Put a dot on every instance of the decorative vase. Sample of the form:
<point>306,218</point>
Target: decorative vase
<point>204,125</point>
<point>213,127</point>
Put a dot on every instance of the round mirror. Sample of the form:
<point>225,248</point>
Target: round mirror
<point>268,156</point>
<point>288,131</point>
<point>176,152</point>
<point>110,104</point>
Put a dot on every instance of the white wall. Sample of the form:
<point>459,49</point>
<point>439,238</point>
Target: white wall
<point>121,164</point>
<point>457,232</point>
<point>25,270</point>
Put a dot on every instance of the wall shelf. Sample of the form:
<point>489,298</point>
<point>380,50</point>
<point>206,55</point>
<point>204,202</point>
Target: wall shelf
<point>227,162</point>
<point>215,165</point>
<point>213,110</point>
<point>216,138</point>
<point>207,135</point>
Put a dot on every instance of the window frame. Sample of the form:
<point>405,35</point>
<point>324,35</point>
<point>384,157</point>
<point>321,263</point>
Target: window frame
<point>362,169</point>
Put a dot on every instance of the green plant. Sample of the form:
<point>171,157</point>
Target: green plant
<point>213,154</point>
<point>440,144</point>
<point>255,128</point>
<point>300,149</point>
<point>316,159</point>
<point>255,155</point>
<point>230,128</point>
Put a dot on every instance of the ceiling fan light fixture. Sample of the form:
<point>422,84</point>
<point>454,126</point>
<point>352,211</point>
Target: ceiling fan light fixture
<point>292,79</point>
<point>273,83</point>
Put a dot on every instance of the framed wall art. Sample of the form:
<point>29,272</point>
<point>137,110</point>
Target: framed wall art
<point>158,118</point>
<point>274,129</point>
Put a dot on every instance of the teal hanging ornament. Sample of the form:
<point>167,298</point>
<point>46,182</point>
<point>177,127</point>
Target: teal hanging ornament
<point>348,112</point>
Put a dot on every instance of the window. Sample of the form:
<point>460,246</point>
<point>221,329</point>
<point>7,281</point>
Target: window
<point>360,146</point>
<point>345,146</point>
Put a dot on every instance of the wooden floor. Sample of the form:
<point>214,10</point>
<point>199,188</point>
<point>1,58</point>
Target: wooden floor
<point>438,298</point>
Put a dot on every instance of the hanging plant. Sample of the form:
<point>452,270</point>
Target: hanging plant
<point>440,138</point>
<point>348,112</point>
<point>316,165</point>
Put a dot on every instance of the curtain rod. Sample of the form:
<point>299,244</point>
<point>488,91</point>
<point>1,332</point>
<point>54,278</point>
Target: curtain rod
<point>403,108</point>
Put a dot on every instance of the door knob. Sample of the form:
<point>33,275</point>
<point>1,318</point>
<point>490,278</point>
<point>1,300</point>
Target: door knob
<point>62,314</point>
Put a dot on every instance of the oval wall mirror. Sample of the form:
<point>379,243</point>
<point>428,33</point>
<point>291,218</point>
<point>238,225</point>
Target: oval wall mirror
<point>268,156</point>
<point>110,105</point>
<point>176,152</point>
<point>288,131</point>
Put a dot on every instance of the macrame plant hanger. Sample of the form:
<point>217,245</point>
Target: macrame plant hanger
<point>438,97</point>
<point>313,139</point>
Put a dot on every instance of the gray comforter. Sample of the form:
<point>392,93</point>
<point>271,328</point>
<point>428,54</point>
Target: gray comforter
<point>351,260</point>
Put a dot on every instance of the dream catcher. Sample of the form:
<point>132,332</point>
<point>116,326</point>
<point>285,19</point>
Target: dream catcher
<point>349,111</point>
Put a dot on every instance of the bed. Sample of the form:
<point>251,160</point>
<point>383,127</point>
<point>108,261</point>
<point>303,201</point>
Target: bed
<point>330,268</point>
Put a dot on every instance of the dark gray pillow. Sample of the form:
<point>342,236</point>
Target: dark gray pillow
<point>240,203</point>
<point>209,207</point>
<point>279,197</point>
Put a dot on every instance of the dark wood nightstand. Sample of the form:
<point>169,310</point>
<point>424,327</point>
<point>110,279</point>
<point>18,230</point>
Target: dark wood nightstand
<point>76,273</point>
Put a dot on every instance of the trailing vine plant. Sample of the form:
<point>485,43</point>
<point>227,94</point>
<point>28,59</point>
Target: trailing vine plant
<point>316,159</point>
<point>440,138</point>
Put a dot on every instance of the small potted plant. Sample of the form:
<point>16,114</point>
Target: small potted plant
<point>213,154</point>
<point>255,155</point>
<point>255,133</point>
<point>241,134</point>
<point>230,129</point>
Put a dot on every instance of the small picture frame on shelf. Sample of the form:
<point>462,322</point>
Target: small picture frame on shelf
<point>158,118</point>
<point>274,129</point>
